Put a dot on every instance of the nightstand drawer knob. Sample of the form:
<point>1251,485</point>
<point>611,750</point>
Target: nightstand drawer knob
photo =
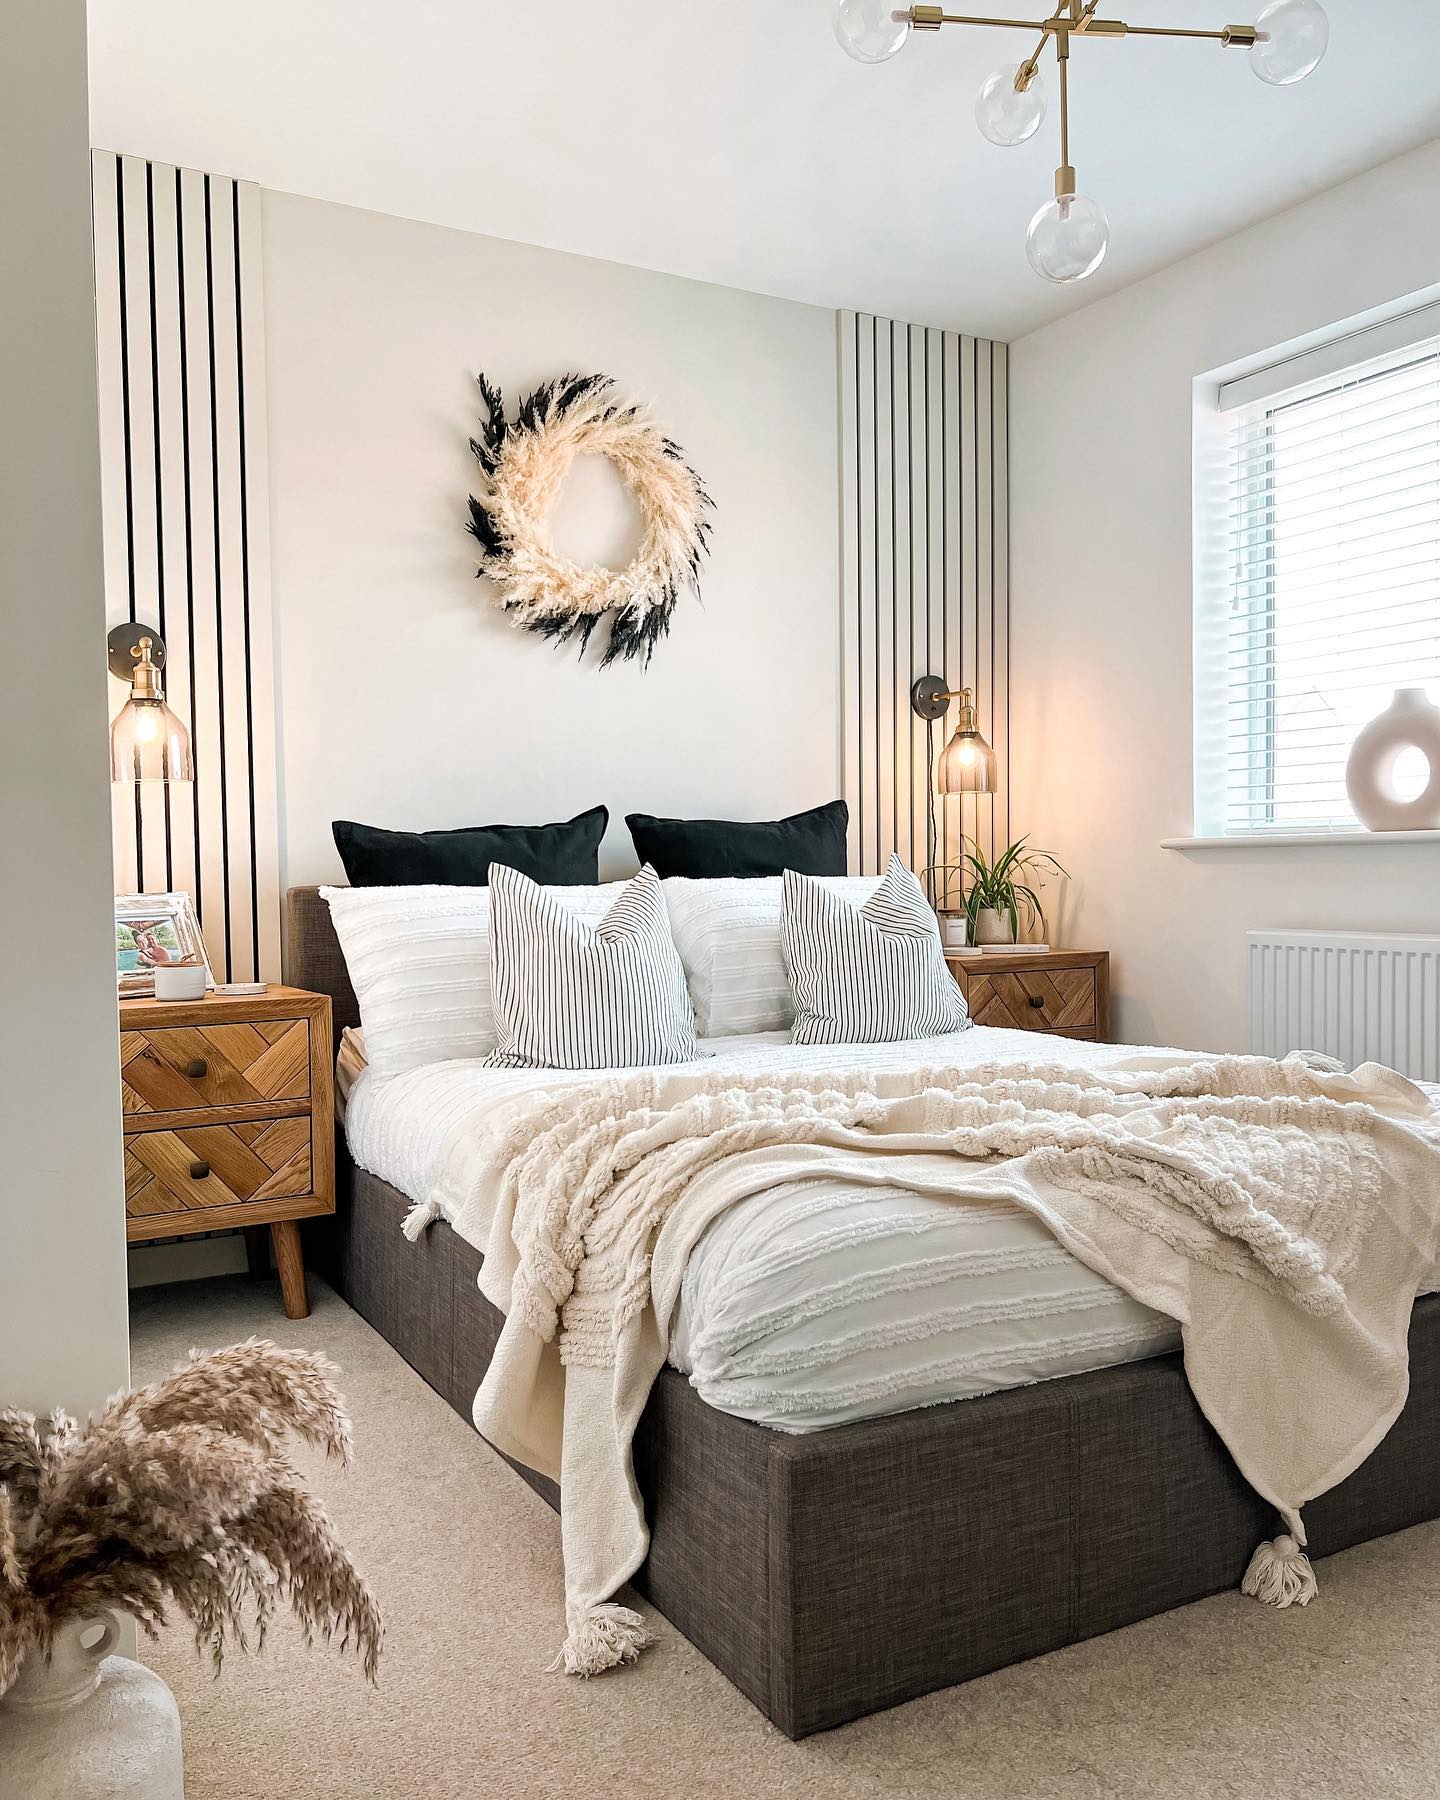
<point>196,1067</point>
<point>199,1171</point>
<point>1037,1001</point>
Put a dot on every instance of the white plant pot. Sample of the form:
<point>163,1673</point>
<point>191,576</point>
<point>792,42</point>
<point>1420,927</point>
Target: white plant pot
<point>1409,721</point>
<point>993,927</point>
<point>86,1725</point>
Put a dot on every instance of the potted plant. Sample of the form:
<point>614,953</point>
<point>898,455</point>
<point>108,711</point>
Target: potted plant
<point>178,1494</point>
<point>998,894</point>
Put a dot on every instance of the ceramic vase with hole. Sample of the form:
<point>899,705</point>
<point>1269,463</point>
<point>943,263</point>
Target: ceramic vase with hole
<point>993,927</point>
<point>86,1725</point>
<point>1409,722</point>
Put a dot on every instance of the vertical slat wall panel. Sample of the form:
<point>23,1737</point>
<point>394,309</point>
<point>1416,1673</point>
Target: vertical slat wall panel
<point>182,419</point>
<point>925,563</point>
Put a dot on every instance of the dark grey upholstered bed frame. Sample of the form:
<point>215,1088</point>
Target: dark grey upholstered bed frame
<point>831,1574</point>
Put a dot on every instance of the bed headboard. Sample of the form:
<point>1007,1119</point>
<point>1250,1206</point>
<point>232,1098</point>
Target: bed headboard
<point>314,959</point>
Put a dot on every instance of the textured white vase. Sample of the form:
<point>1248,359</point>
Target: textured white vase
<point>1410,721</point>
<point>993,926</point>
<point>89,1726</point>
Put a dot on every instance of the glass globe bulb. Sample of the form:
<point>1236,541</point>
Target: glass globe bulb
<point>1291,36</point>
<point>867,31</point>
<point>1004,115</point>
<point>1067,239</point>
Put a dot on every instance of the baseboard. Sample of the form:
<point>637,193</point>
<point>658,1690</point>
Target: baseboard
<point>186,1259</point>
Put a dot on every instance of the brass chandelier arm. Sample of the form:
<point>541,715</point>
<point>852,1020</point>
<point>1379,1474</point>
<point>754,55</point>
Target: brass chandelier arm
<point>931,18</point>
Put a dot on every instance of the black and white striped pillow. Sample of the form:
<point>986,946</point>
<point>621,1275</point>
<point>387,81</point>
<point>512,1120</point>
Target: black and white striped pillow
<point>870,974</point>
<point>574,996</point>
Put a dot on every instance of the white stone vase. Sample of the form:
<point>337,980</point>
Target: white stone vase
<point>1410,721</point>
<point>993,926</point>
<point>86,1725</point>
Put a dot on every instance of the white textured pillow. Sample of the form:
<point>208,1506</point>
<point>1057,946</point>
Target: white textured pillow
<point>727,931</point>
<point>870,974</point>
<point>570,995</point>
<point>419,960</point>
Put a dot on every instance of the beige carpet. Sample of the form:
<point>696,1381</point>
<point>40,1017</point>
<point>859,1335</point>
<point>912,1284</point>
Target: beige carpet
<point>1221,1699</point>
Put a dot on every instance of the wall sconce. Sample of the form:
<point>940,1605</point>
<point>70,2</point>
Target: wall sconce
<point>967,763</point>
<point>147,740</point>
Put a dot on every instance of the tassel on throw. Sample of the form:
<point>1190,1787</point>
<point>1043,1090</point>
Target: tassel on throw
<point>1280,1575</point>
<point>422,1214</point>
<point>603,1638</point>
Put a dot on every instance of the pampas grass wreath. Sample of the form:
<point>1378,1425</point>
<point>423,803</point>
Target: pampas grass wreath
<point>524,462</point>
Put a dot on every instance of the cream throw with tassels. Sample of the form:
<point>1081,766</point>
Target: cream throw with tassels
<point>1284,1216</point>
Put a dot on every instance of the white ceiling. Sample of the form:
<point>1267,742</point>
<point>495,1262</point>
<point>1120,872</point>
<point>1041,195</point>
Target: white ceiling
<point>733,141</point>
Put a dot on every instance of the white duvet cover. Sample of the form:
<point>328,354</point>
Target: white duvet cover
<point>816,1303</point>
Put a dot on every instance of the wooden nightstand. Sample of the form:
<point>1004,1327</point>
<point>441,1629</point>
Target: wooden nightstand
<point>1065,992</point>
<point>229,1120</point>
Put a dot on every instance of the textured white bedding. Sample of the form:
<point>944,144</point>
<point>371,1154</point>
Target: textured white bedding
<point>817,1303</point>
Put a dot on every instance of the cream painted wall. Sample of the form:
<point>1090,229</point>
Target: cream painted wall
<point>1101,425</point>
<point>62,1249</point>
<point>405,699</point>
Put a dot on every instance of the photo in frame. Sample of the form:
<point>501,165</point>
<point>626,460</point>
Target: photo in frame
<point>154,929</point>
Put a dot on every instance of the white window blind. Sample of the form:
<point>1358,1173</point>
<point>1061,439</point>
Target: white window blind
<point>1331,560</point>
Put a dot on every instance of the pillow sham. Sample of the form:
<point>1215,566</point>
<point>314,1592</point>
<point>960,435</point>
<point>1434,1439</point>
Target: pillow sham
<point>870,974</point>
<point>571,995</point>
<point>812,842</point>
<point>728,936</point>
<point>566,854</point>
<point>420,963</point>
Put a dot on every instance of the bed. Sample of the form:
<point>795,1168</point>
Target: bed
<point>830,1572</point>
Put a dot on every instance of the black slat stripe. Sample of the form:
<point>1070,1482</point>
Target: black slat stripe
<point>245,590</point>
<point>129,470</point>
<point>189,524</point>
<point>859,796</point>
<point>159,476</point>
<point>219,605</point>
<point>875,591</point>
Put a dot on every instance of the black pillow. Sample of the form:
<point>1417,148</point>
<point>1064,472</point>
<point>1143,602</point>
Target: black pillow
<point>556,855</point>
<point>811,843</point>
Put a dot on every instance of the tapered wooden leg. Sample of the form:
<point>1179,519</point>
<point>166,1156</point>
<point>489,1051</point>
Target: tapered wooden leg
<point>291,1263</point>
<point>257,1249</point>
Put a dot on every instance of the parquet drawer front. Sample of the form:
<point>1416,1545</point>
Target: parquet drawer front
<point>182,1068</point>
<point>201,1166</point>
<point>1066,992</point>
<point>1034,1000</point>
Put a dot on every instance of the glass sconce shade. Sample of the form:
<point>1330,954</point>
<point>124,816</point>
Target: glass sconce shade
<point>1291,37</point>
<point>967,765</point>
<point>868,31</point>
<point>148,743</point>
<point>1007,116</point>
<point>1067,239</point>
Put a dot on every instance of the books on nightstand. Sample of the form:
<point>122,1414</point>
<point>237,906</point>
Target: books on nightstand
<point>999,950</point>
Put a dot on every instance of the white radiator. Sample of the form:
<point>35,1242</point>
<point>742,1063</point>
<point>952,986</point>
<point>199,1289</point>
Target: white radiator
<point>1370,998</point>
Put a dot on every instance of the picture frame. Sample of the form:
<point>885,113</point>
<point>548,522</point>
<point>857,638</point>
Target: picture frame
<point>151,929</point>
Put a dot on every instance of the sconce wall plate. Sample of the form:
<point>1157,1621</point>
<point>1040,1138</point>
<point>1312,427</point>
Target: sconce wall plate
<point>123,647</point>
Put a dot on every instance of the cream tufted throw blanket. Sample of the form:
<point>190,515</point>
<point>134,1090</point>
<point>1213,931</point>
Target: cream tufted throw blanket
<point>1284,1215</point>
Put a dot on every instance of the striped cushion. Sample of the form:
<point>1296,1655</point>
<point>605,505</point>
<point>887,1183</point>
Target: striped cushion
<point>871,974</point>
<point>569,995</point>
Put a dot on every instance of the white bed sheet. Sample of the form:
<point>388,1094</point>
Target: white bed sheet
<point>814,1304</point>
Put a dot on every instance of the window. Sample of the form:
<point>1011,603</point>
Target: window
<point>1323,563</point>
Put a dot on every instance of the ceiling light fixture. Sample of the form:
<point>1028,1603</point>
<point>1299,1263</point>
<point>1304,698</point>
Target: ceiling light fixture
<point>1069,235</point>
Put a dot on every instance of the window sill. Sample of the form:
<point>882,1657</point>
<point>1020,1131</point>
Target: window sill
<point>1302,840</point>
